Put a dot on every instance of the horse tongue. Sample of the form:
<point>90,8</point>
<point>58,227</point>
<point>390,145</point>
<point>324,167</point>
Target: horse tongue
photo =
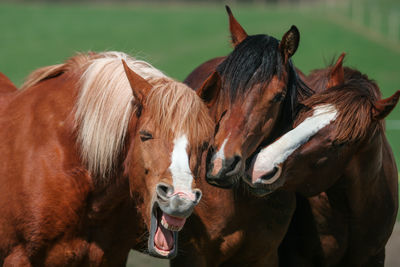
<point>164,239</point>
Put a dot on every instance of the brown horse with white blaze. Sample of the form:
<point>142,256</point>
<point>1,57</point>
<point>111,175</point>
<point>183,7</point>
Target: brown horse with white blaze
<point>338,151</point>
<point>97,154</point>
<point>252,95</point>
<point>258,81</point>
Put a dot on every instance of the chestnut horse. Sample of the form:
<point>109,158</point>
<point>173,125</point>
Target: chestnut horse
<point>6,86</point>
<point>6,89</point>
<point>98,154</point>
<point>251,93</point>
<point>339,152</point>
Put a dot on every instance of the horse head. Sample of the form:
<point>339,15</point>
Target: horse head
<point>249,93</point>
<point>340,120</point>
<point>168,131</point>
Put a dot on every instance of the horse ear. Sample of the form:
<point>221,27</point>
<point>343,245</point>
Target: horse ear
<point>238,34</point>
<point>289,43</point>
<point>383,107</point>
<point>209,91</point>
<point>140,87</point>
<point>336,75</point>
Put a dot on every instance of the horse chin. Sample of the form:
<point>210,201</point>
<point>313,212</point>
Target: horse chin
<point>225,182</point>
<point>262,190</point>
<point>163,240</point>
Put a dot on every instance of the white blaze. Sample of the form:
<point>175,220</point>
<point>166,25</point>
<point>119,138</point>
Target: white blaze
<point>280,150</point>
<point>220,153</point>
<point>182,177</point>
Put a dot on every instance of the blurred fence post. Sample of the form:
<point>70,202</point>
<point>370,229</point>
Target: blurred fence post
<point>375,18</point>
<point>394,25</point>
<point>357,12</point>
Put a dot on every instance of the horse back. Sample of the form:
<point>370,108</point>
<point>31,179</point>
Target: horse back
<point>42,183</point>
<point>197,77</point>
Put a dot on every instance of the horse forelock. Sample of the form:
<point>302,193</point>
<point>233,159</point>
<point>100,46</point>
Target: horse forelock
<point>103,109</point>
<point>354,101</point>
<point>177,110</point>
<point>255,60</point>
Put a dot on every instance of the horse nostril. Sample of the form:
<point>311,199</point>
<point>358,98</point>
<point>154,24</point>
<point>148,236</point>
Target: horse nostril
<point>197,195</point>
<point>164,191</point>
<point>271,176</point>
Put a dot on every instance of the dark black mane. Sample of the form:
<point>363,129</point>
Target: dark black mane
<point>256,60</point>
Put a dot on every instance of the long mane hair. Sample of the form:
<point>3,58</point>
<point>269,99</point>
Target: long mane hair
<point>354,100</point>
<point>104,106</point>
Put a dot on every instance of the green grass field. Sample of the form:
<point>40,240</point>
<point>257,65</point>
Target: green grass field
<point>177,38</point>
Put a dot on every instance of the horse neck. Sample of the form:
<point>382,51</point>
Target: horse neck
<point>7,90</point>
<point>369,184</point>
<point>105,198</point>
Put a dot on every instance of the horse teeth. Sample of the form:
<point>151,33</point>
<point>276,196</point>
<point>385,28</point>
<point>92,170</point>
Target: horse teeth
<point>164,224</point>
<point>170,227</point>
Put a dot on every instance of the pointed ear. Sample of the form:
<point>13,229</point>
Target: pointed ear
<point>383,107</point>
<point>336,75</point>
<point>289,43</point>
<point>238,34</point>
<point>140,87</point>
<point>209,91</point>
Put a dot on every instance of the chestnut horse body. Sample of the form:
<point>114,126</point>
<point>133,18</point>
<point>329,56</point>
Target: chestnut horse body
<point>89,162</point>
<point>346,168</point>
<point>252,95</point>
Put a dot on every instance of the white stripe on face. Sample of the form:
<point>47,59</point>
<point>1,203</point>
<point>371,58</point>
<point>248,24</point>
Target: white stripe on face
<point>219,157</point>
<point>182,177</point>
<point>220,153</point>
<point>280,150</point>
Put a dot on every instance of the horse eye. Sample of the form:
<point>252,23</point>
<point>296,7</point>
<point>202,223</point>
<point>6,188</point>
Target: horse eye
<point>278,97</point>
<point>144,136</point>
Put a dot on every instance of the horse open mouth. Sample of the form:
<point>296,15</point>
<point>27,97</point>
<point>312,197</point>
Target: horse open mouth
<point>163,241</point>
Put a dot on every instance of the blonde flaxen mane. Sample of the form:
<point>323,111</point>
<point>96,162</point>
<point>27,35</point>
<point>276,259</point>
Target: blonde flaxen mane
<point>104,106</point>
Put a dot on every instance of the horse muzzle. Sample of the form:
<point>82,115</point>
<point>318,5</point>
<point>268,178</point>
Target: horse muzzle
<point>263,182</point>
<point>223,173</point>
<point>168,216</point>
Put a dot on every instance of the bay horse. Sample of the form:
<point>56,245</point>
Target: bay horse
<point>99,156</point>
<point>251,92</point>
<point>338,155</point>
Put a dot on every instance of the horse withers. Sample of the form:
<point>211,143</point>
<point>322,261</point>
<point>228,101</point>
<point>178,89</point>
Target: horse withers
<point>99,156</point>
<point>339,152</point>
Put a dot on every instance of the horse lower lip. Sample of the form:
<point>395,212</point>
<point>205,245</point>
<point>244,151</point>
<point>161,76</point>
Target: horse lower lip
<point>164,243</point>
<point>165,236</point>
<point>221,184</point>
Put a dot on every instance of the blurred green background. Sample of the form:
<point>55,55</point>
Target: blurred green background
<point>176,36</point>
